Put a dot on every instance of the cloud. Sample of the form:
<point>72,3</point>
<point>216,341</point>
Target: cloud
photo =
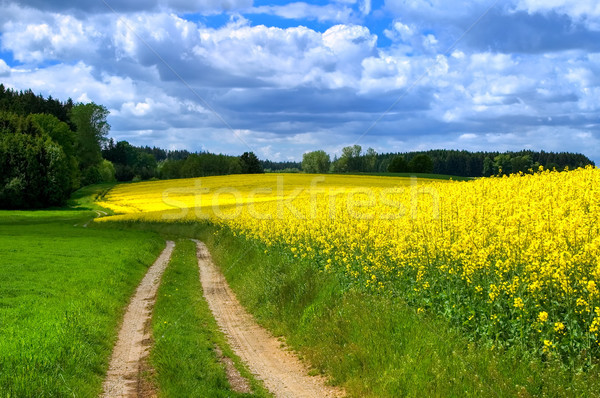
<point>4,69</point>
<point>171,80</point>
<point>336,13</point>
<point>129,6</point>
<point>579,10</point>
<point>59,37</point>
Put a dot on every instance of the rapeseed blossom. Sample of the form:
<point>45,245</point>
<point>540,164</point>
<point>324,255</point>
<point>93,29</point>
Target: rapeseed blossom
<point>512,258</point>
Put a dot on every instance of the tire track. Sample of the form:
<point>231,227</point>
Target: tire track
<point>282,372</point>
<point>123,376</point>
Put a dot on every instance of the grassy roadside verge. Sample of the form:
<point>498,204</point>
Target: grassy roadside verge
<point>374,344</point>
<point>185,335</point>
<point>63,290</point>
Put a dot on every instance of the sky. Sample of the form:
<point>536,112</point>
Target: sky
<point>283,78</point>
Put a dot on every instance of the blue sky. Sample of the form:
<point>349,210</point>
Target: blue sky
<point>282,78</point>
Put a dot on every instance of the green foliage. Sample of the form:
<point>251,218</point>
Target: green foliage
<point>62,297</point>
<point>421,164</point>
<point>280,166</point>
<point>186,334</point>
<point>170,169</point>
<point>91,175</point>
<point>208,164</point>
<point>107,171</point>
<point>370,161</point>
<point>317,162</point>
<point>478,164</point>
<point>350,160</point>
<point>34,170</point>
<point>61,134</point>
<point>92,130</point>
<point>505,164</point>
<point>131,161</point>
<point>24,103</point>
<point>398,165</point>
<point>250,164</point>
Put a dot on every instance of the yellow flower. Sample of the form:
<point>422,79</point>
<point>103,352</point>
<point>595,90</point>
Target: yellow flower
<point>518,238</point>
<point>518,303</point>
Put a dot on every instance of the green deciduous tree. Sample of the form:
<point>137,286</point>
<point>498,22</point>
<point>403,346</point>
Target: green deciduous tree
<point>370,161</point>
<point>91,134</point>
<point>316,162</point>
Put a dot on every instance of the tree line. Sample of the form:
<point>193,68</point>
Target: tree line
<point>442,161</point>
<point>132,163</point>
<point>48,148</point>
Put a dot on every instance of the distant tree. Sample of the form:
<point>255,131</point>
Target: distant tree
<point>170,169</point>
<point>421,164</point>
<point>340,165</point>
<point>521,164</point>
<point>179,154</point>
<point>144,165</point>
<point>370,161</point>
<point>280,166</point>
<point>351,156</point>
<point>503,164</point>
<point>398,165</point>
<point>316,162</point>
<point>250,163</point>
<point>488,167</point>
<point>107,171</point>
<point>92,130</point>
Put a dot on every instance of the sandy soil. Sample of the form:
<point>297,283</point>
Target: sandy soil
<point>281,371</point>
<point>127,361</point>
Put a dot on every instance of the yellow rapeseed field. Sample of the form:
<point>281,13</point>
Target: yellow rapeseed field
<point>513,259</point>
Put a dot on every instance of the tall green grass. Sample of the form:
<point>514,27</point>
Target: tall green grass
<point>185,335</point>
<point>63,291</point>
<point>374,344</point>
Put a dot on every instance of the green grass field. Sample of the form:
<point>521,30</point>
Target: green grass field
<point>63,290</point>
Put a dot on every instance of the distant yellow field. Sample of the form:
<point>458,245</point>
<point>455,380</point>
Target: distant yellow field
<point>204,196</point>
<point>514,258</point>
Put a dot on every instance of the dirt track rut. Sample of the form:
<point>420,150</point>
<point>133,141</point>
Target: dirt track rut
<point>282,372</point>
<point>123,376</point>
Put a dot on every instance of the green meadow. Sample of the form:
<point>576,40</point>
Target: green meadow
<point>63,291</point>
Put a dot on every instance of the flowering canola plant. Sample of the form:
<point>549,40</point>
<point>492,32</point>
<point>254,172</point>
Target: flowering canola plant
<point>513,259</point>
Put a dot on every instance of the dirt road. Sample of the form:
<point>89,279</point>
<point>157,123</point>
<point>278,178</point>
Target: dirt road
<point>282,372</point>
<point>122,379</point>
